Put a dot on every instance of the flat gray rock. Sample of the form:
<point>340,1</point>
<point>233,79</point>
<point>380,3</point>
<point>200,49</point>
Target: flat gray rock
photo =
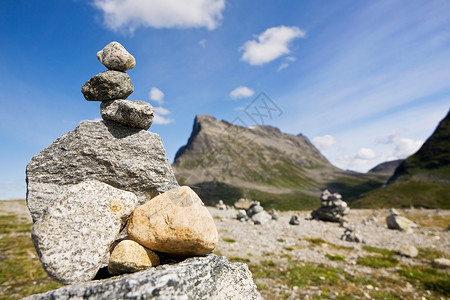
<point>127,158</point>
<point>75,234</point>
<point>115,57</point>
<point>138,114</point>
<point>208,277</point>
<point>108,85</point>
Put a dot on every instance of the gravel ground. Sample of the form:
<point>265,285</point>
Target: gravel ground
<point>279,239</point>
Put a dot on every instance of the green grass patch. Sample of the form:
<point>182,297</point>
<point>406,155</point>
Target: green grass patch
<point>335,257</point>
<point>20,267</point>
<point>289,248</point>
<point>12,224</point>
<point>280,240</point>
<point>239,259</point>
<point>406,194</point>
<point>430,254</point>
<point>381,251</point>
<point>228,240</point>
<point>316,241</point>
<point>428,278</point>
<point>377,261</point>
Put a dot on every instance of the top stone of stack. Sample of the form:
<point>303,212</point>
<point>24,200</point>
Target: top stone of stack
<point>115,57</point>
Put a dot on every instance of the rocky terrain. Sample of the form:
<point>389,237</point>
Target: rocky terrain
<point>305,261</point>
<point>227,161</point>
<point>310,260</point>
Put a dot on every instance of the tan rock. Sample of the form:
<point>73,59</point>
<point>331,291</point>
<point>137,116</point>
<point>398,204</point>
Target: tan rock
<point>175,222</point>
<point>129,257</point>
<point>243,204</point>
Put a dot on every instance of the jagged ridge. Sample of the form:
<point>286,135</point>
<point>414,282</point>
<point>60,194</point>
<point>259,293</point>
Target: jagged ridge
<point>225,161</point>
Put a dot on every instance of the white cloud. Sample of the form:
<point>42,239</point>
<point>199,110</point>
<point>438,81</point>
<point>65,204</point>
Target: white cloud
<point>241,92</point>
<point>156,95</point>
<point>286,62</point>
<point>131,14</point>
<point>160,120</point>
<point>271,44</point>
<point>363,158</point>
<point>403,147</point>
<point>161,110</point>
<point>324,142</point>
<point>202,43</point>
<point>366,154</point>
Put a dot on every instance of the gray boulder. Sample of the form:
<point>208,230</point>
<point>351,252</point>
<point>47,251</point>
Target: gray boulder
<point>76,232</point>
<point>254,209</point>
<point>108,85</point>
<point>396,222</point>
<point>408,251</point>
<point>208,277</point>
<point>242,215</point>
<point>262,217</point>
<point>138,114</point>
<point>294,220</point>
<point>115,57</point>
<point>127,158</point>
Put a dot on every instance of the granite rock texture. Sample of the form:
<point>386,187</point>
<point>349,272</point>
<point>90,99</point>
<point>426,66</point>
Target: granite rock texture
<point>115,57</point>
<point>108,85</point>
<point>138,114</point>
<point>127,158</point>
<point>76,232</point>
<point>209,277</point>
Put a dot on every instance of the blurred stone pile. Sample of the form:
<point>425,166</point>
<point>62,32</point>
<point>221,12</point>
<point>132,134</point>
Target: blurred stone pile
<point>253,211</point>
<point>332,208</point>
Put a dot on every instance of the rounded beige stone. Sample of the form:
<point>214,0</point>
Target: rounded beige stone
<point>175,222</point>
<point>129,257</point>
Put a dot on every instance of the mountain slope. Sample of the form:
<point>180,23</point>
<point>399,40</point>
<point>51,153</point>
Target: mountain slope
<point>423,179</point>
<point>226,161</point>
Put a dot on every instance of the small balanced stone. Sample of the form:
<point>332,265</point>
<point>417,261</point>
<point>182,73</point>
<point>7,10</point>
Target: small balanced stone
<point>137,114</point>
<point>115,57</point>
<point>129,257</point>
<point>175,222</point>
<point>108,85</point>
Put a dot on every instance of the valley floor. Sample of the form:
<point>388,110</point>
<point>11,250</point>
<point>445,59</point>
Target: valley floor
<point>310,261</point>
<point>307,261</point>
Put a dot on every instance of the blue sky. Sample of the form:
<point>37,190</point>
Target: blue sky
<point>366,81</point>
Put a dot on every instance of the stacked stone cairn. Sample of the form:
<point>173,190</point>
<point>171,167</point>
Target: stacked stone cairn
<point>105,194</point>
<point>254,213</point>
<point>332,208</point>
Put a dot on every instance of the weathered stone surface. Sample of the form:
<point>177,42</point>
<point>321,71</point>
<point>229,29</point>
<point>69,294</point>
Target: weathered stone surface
<point>396,222</point>
<point>138,114</point>
<point>242,215</point>
<point>408,250</point>
<point>210,277</point>
<point>108,85</point>
<point>115,57</point>
<point>254,209</point>
<point>75,233</point>
<point>127,158</point>
<point>175,222</point>
<point>129,257</point>
<point>441,263</point>
<point>294,220</point>
<point>262,217</point>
